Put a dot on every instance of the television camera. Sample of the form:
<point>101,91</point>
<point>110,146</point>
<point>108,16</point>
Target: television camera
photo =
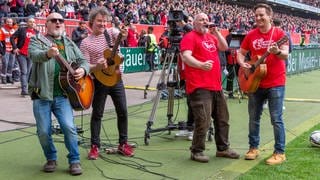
<point>234,40</point>
<point>169,77</point>
<point>176,31</point>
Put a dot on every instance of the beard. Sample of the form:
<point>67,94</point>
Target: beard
<point>57,33</point>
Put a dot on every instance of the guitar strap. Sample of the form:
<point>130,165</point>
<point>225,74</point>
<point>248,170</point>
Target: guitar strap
<point>108,39</point>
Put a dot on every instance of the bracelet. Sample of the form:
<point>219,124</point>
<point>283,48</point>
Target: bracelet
<point>278,53</point>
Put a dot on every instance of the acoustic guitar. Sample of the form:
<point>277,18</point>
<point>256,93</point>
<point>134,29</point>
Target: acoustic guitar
<point>112,75</point>
<point>250,78</point>
<point>79,92</point>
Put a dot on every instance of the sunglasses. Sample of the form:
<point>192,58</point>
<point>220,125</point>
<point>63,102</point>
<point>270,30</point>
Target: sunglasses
<point>55,20</point>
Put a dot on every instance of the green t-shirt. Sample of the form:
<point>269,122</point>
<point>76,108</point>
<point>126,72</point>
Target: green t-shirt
<point>57,90</point>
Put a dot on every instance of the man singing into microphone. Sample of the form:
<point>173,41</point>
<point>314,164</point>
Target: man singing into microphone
<point>199,49</point>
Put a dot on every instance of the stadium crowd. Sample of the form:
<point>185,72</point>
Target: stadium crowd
<point>314,3</point>
<point>155,12</point>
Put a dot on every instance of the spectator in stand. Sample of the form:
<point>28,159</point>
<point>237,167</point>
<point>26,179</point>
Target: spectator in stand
<point>60,8</point>
<point>17,6</point>
<point>83,10</point>
<point>30,8</point>
<point>8,59</point>
<point>93,4</point>
<point>272,87</point>
<point>132,38</point>
<point>79,33</point>
<point>142,42</point>
<point>20,42</point>
<point>4,9</point>
<point>144,20</point>
<point>71,8</point>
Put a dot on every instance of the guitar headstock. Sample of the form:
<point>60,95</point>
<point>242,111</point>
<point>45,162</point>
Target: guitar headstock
<point>128,18</point>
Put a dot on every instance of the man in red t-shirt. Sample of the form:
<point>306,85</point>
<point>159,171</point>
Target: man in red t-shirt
<point>259,41</point>
<point>199,50</point>
<point>20,42</point>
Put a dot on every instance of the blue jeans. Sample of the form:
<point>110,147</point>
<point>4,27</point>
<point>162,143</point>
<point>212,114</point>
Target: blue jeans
<point>25,68</point>
<point>275,97</point>
<point>61,108</point>
<point>118,96</point>
<point>7,64</point>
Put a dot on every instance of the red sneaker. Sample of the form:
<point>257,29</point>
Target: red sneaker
<point>125,149</point>
<point>94,152</point>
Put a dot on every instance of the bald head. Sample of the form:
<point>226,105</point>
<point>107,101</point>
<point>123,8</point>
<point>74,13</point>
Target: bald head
<point>200,20</point>
<point>55,25</point>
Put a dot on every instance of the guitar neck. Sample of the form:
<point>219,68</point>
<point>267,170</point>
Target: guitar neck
<point>115,47</point>
<point>279,43</point>
<point>261,59</point>
<point>64,63</point>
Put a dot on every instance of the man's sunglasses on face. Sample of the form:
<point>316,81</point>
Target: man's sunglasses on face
<point>55,20</point>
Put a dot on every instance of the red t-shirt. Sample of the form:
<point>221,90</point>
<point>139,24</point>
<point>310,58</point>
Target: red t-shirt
<point>257,43</point>
<point>132,38</point>
<point>204,47</point>
<point>24,49</point>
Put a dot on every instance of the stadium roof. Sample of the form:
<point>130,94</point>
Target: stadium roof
<point>279,7</point>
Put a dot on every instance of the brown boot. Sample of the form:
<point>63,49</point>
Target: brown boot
<point>276,158</point>
<point>50,166</point>
<point>200,157</point>
<point>228,153</point>
<point>252,154</point>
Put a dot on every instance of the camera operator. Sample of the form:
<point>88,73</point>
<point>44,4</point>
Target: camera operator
<point>186,25</point>
<point>232,66</point>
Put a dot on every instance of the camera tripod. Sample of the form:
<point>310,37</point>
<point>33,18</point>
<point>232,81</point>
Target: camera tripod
<point>233,75</point>
<point>168,80</point>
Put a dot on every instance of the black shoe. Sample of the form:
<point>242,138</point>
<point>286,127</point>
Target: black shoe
<point>50,166</point>
<point>10,80</point>
<point>230,96</point>
<point>23,93</point>
<point>200,157</point>
<point>4,80</point>
<point>75,169</point>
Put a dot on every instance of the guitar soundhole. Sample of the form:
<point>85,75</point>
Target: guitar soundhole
<point>104,71</point>
<point>110,62</point>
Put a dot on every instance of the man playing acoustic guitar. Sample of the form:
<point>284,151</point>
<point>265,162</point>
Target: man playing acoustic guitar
<point>105,67</point>
<point>269,77</point>
<point>46,91</point>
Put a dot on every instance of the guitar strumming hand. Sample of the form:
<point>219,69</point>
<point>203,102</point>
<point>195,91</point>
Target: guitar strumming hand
<point>54,51</point>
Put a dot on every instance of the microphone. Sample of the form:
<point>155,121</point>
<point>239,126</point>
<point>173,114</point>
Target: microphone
<point>210,25</point>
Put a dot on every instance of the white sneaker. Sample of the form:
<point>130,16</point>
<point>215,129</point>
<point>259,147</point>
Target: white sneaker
<point>182,133</point>
<point>265,105</point>
<point>190,135</point>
